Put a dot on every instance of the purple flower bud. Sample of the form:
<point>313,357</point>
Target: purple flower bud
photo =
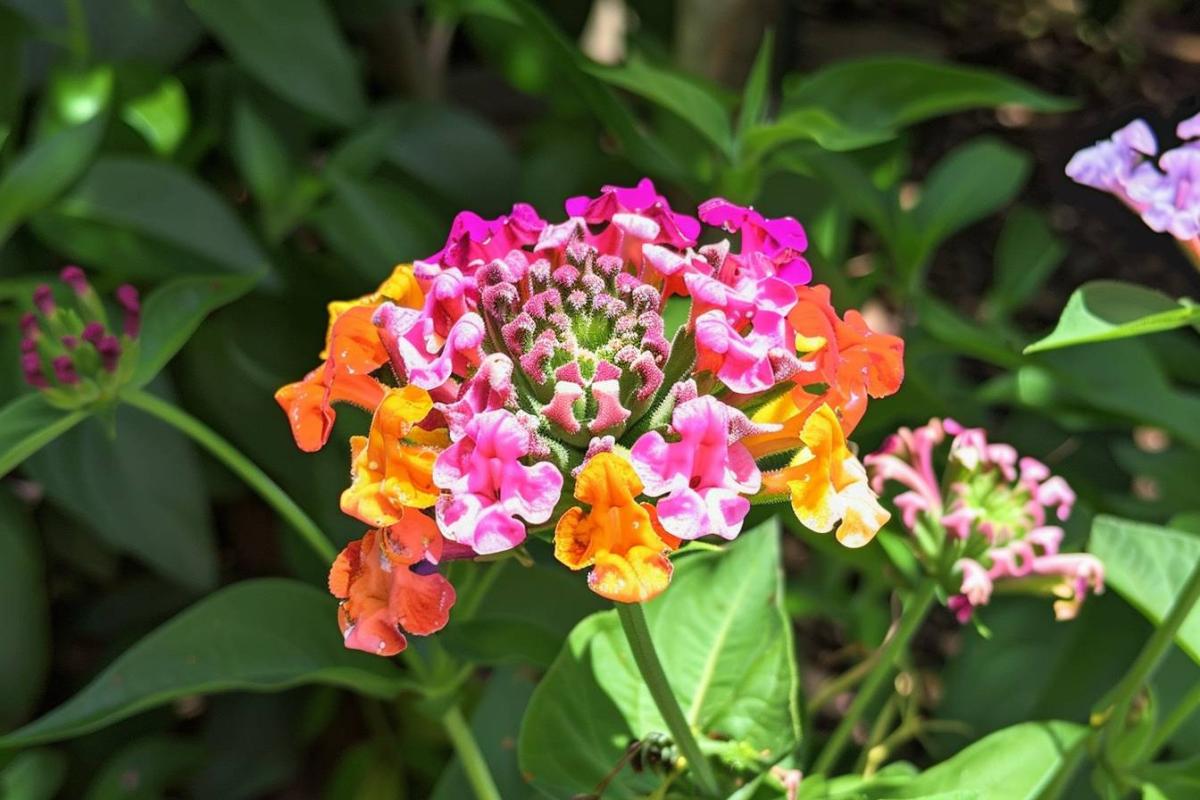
<point>93,332</point>
<point>70,342</point>
<point>43,298</point>
<point>29,323</point>
<point>75,278</point>
<point>64,370</point>
<point>110,352</point>
<point>31,366</point>
<point>28,345</point>
<point>127,296</point>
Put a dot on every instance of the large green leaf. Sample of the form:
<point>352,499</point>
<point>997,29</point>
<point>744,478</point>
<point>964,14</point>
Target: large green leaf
<point>45,170</point>
<point>261,635</point>
<point>1026,254</point>
<point>28,424</point>
<point>25,623</point>
<point>1100,311</point>
<point>1017,763</point>
<point>292,46</point>
<point>173,312</point>
<point>870,100</point>
<point>146,768</point>
<point>34,775</point>
<point>141,492</point>
<point>1148,566</point>
<point>144,218</point>
<point>726,646</point>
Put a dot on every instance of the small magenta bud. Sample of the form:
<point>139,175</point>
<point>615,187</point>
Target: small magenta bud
<point>43,298</point>
<point>64,370</point>
<point>29,345</point>
<point>31,366</point>
<point>29,323</point>
<point>70,342</point>
<point>74,277</point>
<point>93,332</point>
<point>127,296</point>
<point>110,352</point>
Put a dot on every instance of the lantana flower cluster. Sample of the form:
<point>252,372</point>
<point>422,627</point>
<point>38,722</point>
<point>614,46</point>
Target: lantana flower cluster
<point>988,519</point>
<point>69,351</point>
<point>1165,194</point>
<point>523,382</point>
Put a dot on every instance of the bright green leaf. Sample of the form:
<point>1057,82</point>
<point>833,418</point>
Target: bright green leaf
<point>144,218</point>
<point>261,635</point>
<point>161,115</point>
<point>1148,566</point>
<point>726,646</point>
<point>295,48</point>
<point>172,313</point>
<point>756,92</point>
<point>25,623</point>
<point>28,424</point>
<point>43,171</point>
<point>78,96</point>
<point>1100,311</point>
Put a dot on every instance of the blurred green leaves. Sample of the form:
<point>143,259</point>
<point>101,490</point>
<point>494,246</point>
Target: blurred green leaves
<point>29,423</point>
<point>25,623</point>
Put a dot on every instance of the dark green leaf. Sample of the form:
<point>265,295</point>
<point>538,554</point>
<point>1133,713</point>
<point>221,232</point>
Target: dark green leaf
<point>173,312</point>
<point>149,219</point>
<point>25,623</point>
<point>1148,566</point>
<point>1100,311</point>
<point>146,769</point>
<point>726,646</point>
<point>28,424</point>
<point>292,46</point>
<point>142,493</point>
<point>756,92</point>
<point>35,775</point>
<point>47,168</point>
<point>1026,255</point>
<point>262,636</point>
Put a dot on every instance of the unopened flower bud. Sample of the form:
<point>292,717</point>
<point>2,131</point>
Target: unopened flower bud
<point>93,333</point>
<point>110,352</point>
<point>127,296</point>
<point>75,278</point>
<point>29,323</point>
<point>64,370</point>
<point>70,342</point>
<point>43,298</point>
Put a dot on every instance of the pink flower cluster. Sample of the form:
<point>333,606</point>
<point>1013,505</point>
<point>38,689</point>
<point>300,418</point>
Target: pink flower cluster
<point>991,507</point>
<point>1166,195</point>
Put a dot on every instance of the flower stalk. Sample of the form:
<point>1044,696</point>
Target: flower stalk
<point>469,755</point>
<point>637,633</point>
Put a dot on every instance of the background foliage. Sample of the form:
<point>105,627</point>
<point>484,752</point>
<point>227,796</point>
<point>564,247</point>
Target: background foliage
<point>258,159</point>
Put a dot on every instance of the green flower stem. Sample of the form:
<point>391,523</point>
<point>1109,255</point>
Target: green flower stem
<point>469,755</point>
<point>637,633</point>
<point>1113,710</point>
<point>243,467</point>
<point>890,652</point>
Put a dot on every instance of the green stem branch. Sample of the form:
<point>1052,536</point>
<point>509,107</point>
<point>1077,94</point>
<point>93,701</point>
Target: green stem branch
<point>910,619</point>
<point>1174,721</point>
<point>637,632</point>
<point>469,755</point>
<point>241,466</point>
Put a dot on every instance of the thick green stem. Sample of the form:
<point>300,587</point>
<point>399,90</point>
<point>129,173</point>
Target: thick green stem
<point>910,619</point>
<point>637,632</point>
<point>241,466</point>
<point>469,755</point>
<point>1113,710</point>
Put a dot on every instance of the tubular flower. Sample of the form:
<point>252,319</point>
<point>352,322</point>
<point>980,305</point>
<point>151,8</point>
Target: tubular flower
<point>618,537</point>
<point>990,519</point>
<point>533,363</point>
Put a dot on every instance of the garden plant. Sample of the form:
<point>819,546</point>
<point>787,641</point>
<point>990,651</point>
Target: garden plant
<point>500,399</point>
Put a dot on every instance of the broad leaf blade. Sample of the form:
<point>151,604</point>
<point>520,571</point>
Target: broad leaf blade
<point>1100,311</point>
<point>1026,254</point>
<point>726,647</point>
<point>25,623</point>
<point>261,636</point>
<point>1148,566</point>
<point>174,311</point>
<point>28,424</point>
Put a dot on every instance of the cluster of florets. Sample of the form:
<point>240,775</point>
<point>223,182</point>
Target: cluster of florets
<point>68,350</point>
<point>987,517</point>
<point>1166,195</point>
<point>539,391</point>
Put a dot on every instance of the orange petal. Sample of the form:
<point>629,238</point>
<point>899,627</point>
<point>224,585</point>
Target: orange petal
<point>421,603</point>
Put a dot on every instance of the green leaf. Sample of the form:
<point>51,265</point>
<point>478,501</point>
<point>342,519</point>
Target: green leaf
<point>142,493</point>
<point>28,424</point>
<point>143,218</point>
<point>25,623</point>
<point>45,170</point>
<point>726,646</point>
<point>1148,566</point>
<point>1026,254</point>
<point>173,312</point>
<point>699,105</point>
<point>1100,311</point>
<point>35,775</point>
<point>13,30</point>
<point>1017,763</point>
<point>873,99</point>
<point>756,92</point>
<point>161,115</point>
<point>146,769</point>
<point>293,47</point>
<point>261,635</point>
